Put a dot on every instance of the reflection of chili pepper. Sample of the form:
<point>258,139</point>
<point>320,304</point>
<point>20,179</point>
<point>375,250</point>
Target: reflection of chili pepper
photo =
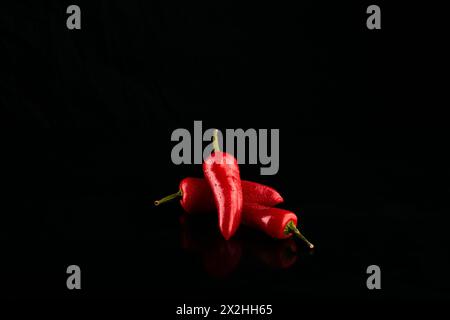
<point>191,240</point>
<point>219,257</point>
<point>196,234</point>
<point>277,254</point>
<point>221,170</point>
<point>276,222</point>
<point>223,258</point>
<point>197,197</point>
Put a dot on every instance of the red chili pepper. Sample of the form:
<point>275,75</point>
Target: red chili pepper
<point>276,222</point>
<point>197,197</point>
<point>221,170</point>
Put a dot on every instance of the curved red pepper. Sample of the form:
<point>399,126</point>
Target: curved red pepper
<point>221,170</point>
<point>277,223</point>
<point>197,197</point>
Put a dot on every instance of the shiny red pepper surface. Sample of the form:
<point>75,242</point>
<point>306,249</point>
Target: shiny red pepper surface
<point>272,221</point>
<point>277,223</point>
<point>221,170</point>
<point>197,197</point>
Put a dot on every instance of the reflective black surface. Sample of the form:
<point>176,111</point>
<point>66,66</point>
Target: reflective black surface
<point>87,122</point>
<point>128,248</point>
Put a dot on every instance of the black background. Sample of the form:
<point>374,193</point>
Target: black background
<point>87,117</point>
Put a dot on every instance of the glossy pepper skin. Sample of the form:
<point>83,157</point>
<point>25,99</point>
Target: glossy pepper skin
<point>222,174</point>
<point>221,170</point>
<point>197,197</point>
<point>277,223</point>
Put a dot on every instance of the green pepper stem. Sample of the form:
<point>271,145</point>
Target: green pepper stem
<point>216,141</point>
<point>292,228</point>
<point>169,197</point>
